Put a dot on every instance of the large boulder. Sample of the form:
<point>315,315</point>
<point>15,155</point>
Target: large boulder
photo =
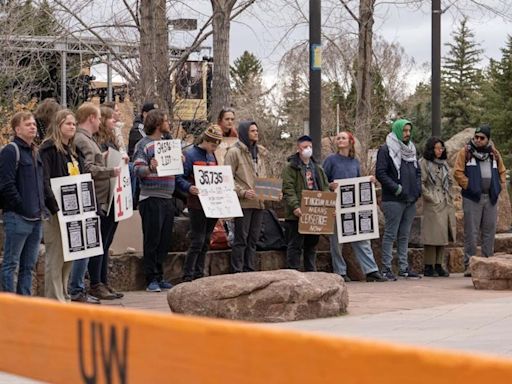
<point>273,296</point>
<point>492,272</point>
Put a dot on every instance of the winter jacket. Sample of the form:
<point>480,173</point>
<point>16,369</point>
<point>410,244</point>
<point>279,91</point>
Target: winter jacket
<point>244,172</point>
<point>386,174</point>
<point>22,184</point>
<point>55,164</point>
<point>136,133</point>
<point>194,155</point>
<point>96,165</point>
<point>467,174</point>
<point>294,182</point>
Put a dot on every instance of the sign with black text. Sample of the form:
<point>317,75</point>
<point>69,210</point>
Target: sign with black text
<point>78,220</point>
<point>168,156</point>
<point>356,210</point>
<point>217,191</point>
<point>267,188</point>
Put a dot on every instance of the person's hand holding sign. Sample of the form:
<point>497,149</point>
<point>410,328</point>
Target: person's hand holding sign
<point>297,212</point>
<point>250,194</point>
<point>153,164</point>
<point>193,190</point>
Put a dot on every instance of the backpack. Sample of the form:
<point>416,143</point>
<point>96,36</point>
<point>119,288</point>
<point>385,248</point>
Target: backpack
<point>17,149</point>
<point>272,234</point>
<point>219,238</point>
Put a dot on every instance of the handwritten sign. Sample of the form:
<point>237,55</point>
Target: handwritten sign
<point>168,156</point>
<point>120,187</point>
<point>318,210</point>
<point>356,210</point>
<point>79,224</point>
<point>268,189</point>
<point>217,191</point>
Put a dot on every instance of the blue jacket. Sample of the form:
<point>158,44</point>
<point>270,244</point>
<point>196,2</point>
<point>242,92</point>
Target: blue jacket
<point>193,156</point>
<point>410,178</point>
<point>22,188</point>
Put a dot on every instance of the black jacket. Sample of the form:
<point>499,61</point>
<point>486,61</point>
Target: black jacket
<point>55,164</point>
<point>22,186</point>
<point>136,133</point>
<point>410,178</point>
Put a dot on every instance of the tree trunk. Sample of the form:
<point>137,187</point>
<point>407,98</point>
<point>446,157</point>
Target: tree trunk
<point>364,81</point>
<point>146,89</point>
<point>163,88</point>
<point>221,91</point>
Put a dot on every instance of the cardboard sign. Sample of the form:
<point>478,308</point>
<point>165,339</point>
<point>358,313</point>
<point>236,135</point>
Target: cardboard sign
<point>120,187</point>
<point>168,156</point>
<point>78,221</point>
<point>356,210</point>
<point>217,191</point>
<point>268,189</point>
<point>318,210</point>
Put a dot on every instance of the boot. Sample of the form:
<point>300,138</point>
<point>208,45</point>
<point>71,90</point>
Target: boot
<point>429,271</point>
<point>440,271</point>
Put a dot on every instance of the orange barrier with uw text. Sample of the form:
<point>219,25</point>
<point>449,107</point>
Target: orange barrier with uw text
<point>76,343</point>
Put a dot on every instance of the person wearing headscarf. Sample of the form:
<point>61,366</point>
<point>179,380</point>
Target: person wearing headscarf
<point>247,160</point>
<point>480,172</point>
<point>438,225</point>
<point>398,172</point>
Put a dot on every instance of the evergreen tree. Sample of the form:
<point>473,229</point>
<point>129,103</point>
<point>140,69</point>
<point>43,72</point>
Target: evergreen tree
<point>245,70</point>
<point>461,82</point>
<point>295,106</point>
<point>418,109</point>
<point>497,104</point>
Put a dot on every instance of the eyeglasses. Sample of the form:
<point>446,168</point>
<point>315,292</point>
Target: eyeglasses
<point>480,137</point>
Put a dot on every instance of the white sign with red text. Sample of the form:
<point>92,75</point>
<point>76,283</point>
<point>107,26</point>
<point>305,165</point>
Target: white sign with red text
<point>217,191</point>
<point>120,187</point>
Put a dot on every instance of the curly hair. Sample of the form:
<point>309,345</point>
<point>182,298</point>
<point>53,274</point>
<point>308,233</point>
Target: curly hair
<point>428,153</point>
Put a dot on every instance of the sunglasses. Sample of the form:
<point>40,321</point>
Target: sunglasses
<point>480,137</point>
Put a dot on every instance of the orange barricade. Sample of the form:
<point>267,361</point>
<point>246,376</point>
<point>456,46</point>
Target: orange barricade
<point>76,343</point>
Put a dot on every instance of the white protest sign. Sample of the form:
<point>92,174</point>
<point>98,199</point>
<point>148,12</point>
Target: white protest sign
<point>216,191</point>
<point>120,187</point>
<point>356,210</point>
<point>78,220</point>
<point>168,156</point>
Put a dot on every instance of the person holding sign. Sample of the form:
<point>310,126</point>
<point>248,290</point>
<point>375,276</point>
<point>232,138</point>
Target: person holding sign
<point>398,172</point>
<point>301,173</point>
<point>98,266</point>
<point>156,206</point>
<point>60,158</point>
<point>88,118</point>
<point>344,165</point>
<point>247,159</point>
<point>201,227</point>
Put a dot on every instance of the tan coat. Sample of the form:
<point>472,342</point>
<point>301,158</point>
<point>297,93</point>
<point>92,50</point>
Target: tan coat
<point>439,226</point>
<point>95,164</point>
<point>240,160</point>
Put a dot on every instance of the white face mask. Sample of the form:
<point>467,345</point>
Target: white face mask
<point>307,152</point>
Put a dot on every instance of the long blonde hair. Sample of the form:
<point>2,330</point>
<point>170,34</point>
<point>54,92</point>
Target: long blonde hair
<point>55,134</point>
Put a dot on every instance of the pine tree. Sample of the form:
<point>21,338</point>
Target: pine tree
<point>245,71</point>
<point>461,81</point>
<point>497,104</point>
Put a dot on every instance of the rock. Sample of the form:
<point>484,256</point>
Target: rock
<point>492,272</point>
<point>456,142</point>
<point>273,296</point>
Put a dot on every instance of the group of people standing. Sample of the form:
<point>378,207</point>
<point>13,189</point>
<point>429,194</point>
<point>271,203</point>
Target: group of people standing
<point>67,144</point>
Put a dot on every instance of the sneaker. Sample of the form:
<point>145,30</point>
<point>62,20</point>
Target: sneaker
<point>375,276</point>
<point>408,274</point>
<point>346,278</point>
<point>164,284</point>
<point>153,287</point>
<point>390,276</point>
<point>101,292</point>
<point>467,272</point>
<point>117,294</point>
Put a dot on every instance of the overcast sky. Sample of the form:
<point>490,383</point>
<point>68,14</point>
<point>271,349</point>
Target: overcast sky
<point>409,27</point>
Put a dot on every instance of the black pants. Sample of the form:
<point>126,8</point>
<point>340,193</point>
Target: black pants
<point>98,265</point>
<point>247,233</point>
<point>296,243</point>
<point>201,229</point>
<point>157,221</point>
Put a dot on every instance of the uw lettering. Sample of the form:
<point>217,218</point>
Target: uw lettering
<point>113,353</point>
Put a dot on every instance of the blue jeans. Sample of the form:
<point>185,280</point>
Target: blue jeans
<point>21,248</point>
<point>77,279</point>
<point>362,250</point>
<point>399,217</point>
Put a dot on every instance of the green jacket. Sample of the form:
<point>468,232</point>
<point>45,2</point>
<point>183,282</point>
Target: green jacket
<point>294,182</point>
